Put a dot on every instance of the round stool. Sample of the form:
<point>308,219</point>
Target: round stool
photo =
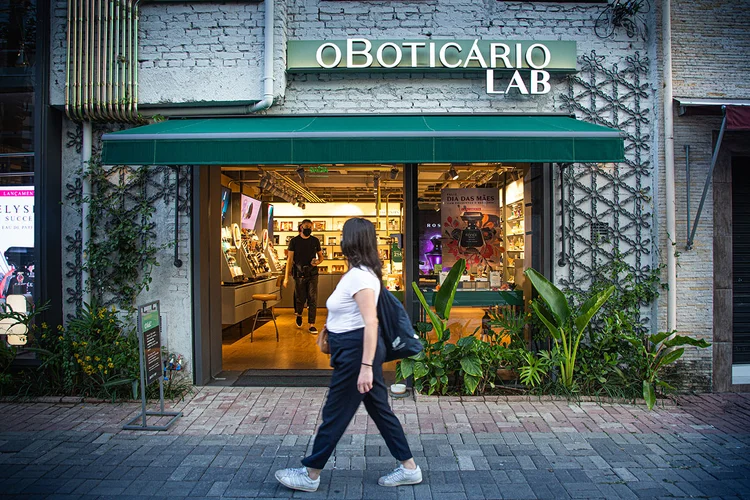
<point>265,298</point>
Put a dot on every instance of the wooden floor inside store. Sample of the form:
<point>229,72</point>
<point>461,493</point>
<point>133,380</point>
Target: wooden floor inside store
<point>295,350</point>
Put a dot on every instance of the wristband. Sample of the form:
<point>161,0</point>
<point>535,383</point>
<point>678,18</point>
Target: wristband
<point>367,365</point>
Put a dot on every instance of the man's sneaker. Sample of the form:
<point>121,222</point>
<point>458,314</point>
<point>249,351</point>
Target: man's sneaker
<point>401,476</point>
<point>298,321</point>
<point>297,479</point>
<point>313,330</point>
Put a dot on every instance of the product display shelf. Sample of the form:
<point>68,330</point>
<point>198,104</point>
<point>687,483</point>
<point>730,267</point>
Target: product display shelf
<point>515,235</point>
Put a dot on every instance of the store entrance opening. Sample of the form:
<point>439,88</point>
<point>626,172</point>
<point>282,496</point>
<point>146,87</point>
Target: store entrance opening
<point>269,330</point>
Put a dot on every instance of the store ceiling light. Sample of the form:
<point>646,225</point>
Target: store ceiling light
<point>452,174</point>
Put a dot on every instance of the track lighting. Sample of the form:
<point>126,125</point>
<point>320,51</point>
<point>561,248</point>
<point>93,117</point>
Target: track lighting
<point>452,174</point>
<point>394,173</point>
<point>301,173</point>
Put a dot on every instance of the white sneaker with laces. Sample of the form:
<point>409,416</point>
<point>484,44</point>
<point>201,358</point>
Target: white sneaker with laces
<point>297,479</point>
<point>401,476</point>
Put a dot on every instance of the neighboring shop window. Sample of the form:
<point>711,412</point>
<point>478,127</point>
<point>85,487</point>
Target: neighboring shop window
<point>17,71</point>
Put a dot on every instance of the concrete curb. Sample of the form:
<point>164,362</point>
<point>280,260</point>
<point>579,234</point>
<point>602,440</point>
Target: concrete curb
<point>529,398</point>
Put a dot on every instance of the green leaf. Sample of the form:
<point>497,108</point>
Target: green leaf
<point>556,334</point>
<point>423,327</point>
<point>446,335</point>
<point>648,394</point>
<point>407,368</point>
<point>436,322</point>
<point>466,341</point>
<point>448,348</point>
<point>678,340</point>
<point>444,297</point>
<point>670,357</point>
<point>120,381</point>
<point>471,365</point>
<point>470,383</point>
<point>420,370</point>
<point>658,337</point>
<point>444,379</point>
<point>591,307</point>
<point>552,295</point>
<point>418,357</point>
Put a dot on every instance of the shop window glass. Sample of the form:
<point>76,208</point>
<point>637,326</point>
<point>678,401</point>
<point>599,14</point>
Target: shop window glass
<point>17,94</point>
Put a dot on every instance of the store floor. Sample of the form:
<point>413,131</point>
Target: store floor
<point>295,350</point>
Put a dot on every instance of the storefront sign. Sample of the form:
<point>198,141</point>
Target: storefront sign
<point>148,316</point>
<point>530,62</point>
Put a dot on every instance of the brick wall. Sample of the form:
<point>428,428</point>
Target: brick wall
<point>711,48</point>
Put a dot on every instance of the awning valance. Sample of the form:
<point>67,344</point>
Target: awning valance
<point>364,139</point>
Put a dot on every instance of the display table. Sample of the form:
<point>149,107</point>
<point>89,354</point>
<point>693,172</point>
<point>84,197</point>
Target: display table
<point>481,298</point>
<point>237,302</point>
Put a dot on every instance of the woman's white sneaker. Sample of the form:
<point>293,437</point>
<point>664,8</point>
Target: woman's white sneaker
<point>297,479</point>
<point>401,476</point>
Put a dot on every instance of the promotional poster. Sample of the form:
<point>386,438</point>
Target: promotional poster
<point>472,227</point>
<point>250,212</point>
<point>16,239</point>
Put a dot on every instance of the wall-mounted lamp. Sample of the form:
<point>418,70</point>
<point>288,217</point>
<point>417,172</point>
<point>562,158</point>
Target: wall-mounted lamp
<point>452,174</point>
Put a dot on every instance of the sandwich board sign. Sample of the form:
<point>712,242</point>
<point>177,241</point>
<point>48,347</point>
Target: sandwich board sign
<point>149,341</point>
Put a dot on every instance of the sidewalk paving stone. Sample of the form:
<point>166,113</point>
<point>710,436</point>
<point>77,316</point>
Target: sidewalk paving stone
<point>231,440</point>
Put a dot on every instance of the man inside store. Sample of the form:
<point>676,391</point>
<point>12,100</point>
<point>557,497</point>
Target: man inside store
<point>304,255</point>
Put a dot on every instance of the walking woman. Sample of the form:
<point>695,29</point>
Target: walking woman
<point>357,353</point>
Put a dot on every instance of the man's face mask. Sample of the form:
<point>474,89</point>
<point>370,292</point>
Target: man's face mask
<point>306,231</point>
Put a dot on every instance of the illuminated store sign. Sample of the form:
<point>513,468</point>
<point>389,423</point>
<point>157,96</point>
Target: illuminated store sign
<point>530,62</point>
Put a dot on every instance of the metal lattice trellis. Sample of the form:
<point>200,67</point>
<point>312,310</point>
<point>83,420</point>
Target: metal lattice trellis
<point>161,185</point>
<point>606,208</point>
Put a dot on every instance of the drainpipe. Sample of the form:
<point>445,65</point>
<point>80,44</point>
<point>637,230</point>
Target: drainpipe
<point>268,63</point>
<point>268,79</point>
<point>85,222</point>
<point>669,168</point>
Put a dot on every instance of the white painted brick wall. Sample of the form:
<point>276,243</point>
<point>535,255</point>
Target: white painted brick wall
<point>171,286</point>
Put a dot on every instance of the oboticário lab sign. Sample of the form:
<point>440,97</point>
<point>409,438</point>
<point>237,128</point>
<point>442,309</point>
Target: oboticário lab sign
<point>525,66</point>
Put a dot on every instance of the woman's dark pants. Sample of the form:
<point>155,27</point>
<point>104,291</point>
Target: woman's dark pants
<point>344,398</point>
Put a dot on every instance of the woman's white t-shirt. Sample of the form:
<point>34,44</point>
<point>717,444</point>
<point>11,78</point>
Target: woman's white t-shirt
<point>343,311</point>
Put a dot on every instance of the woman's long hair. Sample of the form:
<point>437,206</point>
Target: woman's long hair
<point>359,244</point>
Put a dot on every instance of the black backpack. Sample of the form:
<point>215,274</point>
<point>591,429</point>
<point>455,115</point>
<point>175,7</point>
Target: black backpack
<point>395,327</point>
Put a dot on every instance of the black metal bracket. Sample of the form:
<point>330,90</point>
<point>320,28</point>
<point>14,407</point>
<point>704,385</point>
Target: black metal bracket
<point>709,176</point>
<point>562,261</point>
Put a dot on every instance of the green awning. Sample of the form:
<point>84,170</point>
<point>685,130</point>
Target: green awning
<point>364,139</point>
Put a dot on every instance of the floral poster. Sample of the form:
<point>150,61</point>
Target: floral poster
<point>472,227</point>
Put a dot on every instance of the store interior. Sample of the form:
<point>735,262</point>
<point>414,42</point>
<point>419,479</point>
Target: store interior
<point>470,211</point>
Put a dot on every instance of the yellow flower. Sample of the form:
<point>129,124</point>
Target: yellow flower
<point>117,343</point>
<point>60,337</point>
<point>96,358</point>
<point>44,335</point>
<point>88,358</point>
<point>75,344</point>
<point>44,325</point>
<point>100,366</point>
<point>105,372</point>
<point>76,355</point>
<point>60,327</point>
<point>111,365</point>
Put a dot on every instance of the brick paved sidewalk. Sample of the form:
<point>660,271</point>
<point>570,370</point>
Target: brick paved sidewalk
<point>230,441</point>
